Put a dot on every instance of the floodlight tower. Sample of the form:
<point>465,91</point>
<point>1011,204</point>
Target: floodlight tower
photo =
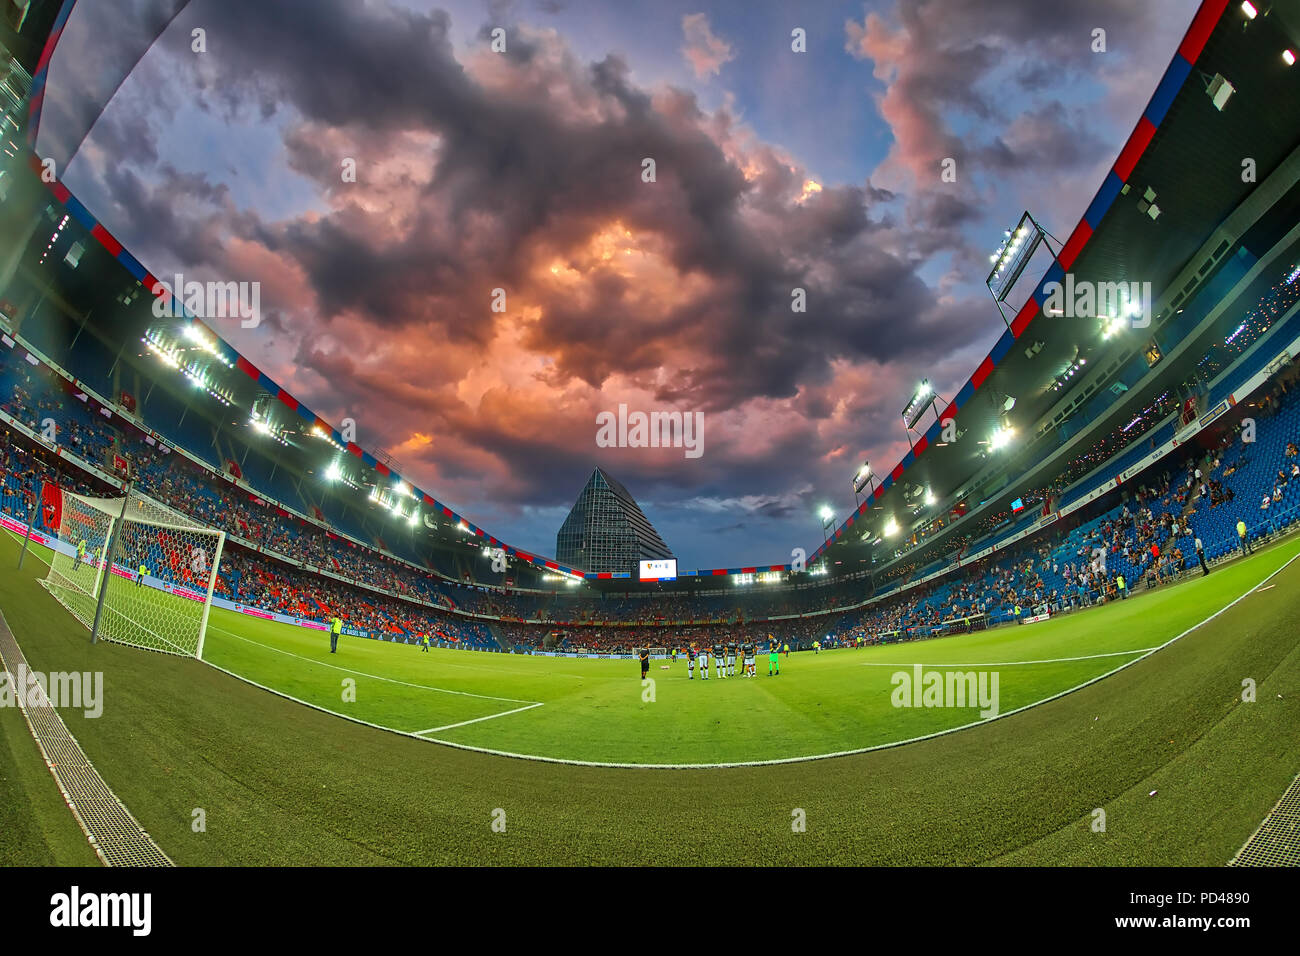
<point>1013,256</point>
<point>924,397</point>
<point>861,478</point>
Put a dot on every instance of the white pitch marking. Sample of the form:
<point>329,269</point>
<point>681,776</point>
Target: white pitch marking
<point>348,670</point>
<point>1054,660</point>
<point>504,713</point>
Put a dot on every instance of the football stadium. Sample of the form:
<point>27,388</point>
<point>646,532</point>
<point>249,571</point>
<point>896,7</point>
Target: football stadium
<point>1055,625</point>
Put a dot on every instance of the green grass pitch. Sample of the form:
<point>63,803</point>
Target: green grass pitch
<point>284,783</point>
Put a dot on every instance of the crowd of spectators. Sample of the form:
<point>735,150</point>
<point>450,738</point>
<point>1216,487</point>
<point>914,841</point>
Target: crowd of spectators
<point>1142,539</point>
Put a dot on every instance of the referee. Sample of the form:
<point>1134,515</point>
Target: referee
<point>644,654</point>
<point>336,628</point>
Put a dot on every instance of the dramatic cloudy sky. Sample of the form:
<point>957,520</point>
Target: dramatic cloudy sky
<point>521,170</point>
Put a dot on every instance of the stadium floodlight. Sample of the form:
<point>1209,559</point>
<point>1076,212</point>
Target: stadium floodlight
<point>1113,326</point>
<point>1012,257</point>
<point>414,517</point>
<point>863,476</point>
<point>1002,437</point>
<point>1249,10</point>
<point>826,513</point>
<point>333,472</point>
<point>891,528</point>
<point>924,397</point>
<point>1288,57</point>
<point>929,496</point>
<point>169,355</point>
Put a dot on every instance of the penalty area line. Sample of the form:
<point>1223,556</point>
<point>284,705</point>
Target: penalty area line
<point>463,723</point>
<point>349,670</point>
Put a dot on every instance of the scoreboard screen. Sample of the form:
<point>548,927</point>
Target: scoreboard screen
<point>660,570</point>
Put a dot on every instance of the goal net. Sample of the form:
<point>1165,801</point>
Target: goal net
<point>163,607</point>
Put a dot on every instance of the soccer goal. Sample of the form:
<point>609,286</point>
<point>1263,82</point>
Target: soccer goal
<point>107,541</point>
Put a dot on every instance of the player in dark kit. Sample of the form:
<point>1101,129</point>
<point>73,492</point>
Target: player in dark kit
<point>719,660</point>
<point>748,667</point>
<point>731,658</point>
<point>690,661</point>
<point>644,654</point>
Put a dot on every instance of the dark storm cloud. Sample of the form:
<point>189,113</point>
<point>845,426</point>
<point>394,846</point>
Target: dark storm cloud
<point>165,213</point>
<point>523,169</point>
<point>942,60</point>
<point>1046,138</point>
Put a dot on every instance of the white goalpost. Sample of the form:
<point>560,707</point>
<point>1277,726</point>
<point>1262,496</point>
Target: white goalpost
<point>105,544</point>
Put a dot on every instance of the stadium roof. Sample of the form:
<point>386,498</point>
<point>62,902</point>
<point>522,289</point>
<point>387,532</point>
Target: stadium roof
<point>1196,187</point>
<point>1116,240</point>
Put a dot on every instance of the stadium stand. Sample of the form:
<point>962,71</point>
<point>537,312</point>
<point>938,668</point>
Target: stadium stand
<point>284,562</point>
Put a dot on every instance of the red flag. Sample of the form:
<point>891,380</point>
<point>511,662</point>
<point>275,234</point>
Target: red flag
<point>52,506</point>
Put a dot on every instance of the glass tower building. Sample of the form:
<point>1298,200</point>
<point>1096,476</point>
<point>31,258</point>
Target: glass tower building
<point>606,530</point>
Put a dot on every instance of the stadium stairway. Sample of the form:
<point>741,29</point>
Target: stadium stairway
<point>496,635</point>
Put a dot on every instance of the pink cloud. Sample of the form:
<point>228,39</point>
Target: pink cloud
<point>705,52</point>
